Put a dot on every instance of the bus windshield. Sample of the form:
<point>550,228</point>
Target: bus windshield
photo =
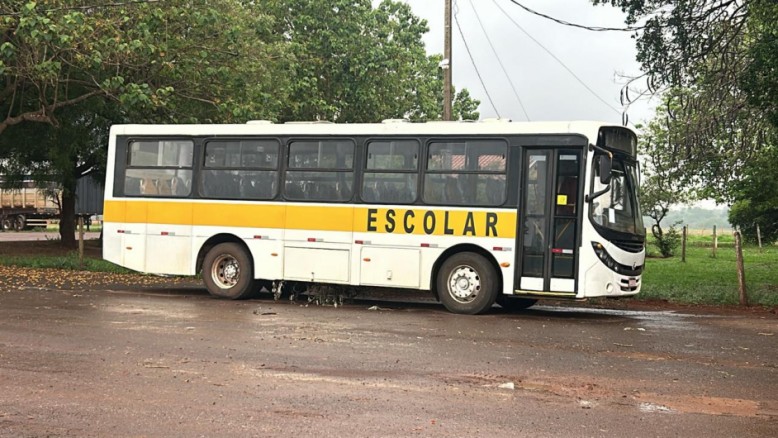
<point>618,209</point>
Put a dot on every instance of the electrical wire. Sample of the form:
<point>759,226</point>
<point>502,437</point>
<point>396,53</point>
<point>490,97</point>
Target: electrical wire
<point>480,79</point>
<point>515,93</point>
<point>579,26</point>
<point>580,81</point>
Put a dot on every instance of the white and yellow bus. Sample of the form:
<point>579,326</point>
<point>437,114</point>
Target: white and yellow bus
<point>472,212</point>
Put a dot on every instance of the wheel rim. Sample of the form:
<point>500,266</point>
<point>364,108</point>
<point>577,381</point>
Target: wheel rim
<point>464,284</point>
<point>225,271</point>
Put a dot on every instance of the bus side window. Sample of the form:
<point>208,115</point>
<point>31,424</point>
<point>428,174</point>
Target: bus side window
<point>370,192</point>
<point>164,187</point>
<point>132,186</point>
<point>178,187</point>
<point>495,191</point>
<point>293,189</point>
<point>148,187</point>
<point>453,195</point>
<point>256,185</point>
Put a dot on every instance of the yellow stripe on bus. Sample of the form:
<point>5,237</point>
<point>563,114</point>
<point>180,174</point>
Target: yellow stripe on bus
<point>349,218</point>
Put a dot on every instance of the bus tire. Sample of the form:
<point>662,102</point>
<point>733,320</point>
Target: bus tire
<point>467,283</point>
<point>513,304</point>
<point>228,272</point>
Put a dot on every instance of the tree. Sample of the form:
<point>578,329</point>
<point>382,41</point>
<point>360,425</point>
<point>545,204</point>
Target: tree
<point>70,69</point>
<point>760,77</point>
<point>662,186</point>
<point>142,55</point>
<point>714,62</point>
<point>356,63</point>
<point>755,200</point>
<point>464,107</point>
<point>59,155</point>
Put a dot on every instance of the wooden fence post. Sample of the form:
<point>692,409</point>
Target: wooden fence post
<point>715,242</point>
<point>81,241</point>
<point>741,273</point>
<point>683,243</point>
<point>759,237</point>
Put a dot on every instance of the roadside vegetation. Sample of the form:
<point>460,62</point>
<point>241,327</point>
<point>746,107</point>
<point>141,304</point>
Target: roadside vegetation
<point>69,261</point>
<point>49,254</point>
<point>704,279</point>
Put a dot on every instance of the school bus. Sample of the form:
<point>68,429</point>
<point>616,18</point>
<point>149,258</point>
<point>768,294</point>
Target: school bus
<point>473,212</point>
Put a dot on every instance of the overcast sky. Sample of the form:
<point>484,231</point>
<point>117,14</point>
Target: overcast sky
<point>547,90</point>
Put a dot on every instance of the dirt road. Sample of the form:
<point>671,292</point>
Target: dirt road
<point>174,362</point>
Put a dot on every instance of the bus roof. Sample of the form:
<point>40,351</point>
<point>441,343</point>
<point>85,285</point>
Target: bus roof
<point>493,127</point>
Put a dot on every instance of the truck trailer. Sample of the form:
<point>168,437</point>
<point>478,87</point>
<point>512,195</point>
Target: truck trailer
<point>34,205</point>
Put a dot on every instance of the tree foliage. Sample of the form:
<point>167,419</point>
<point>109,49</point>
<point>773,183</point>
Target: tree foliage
<point>760,76</point>
<point>70,68</point>
<point>755,197</point>
<point>176,61</point>
<point>59,156</point>
<point>662,185</point>
<point>715,63</point>
<point>356,63</point>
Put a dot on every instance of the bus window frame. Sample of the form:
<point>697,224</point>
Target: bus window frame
<point>464,139</point>
<point>202,167</point>
<point>365,170</point>
<point>121,169</point>
<point>286,156</point>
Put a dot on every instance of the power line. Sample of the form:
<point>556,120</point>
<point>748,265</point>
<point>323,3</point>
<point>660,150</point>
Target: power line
<point>580,81</point>
<point>579,26</point>
<point>515,93</point>
<point>467,48</point>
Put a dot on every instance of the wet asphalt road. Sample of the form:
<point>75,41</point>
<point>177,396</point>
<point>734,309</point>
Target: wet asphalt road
<point>178,363</point>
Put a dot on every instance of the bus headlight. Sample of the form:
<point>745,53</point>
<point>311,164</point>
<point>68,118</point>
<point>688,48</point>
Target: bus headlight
<point>605,257</point>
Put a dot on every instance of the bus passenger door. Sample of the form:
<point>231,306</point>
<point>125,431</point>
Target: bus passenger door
<point>549,215</point>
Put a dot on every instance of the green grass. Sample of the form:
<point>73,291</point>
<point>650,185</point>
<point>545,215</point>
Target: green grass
<point>703,279</point>
<point>69,262</point>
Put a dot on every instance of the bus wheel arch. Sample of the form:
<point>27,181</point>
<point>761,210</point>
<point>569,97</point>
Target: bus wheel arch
<point>469,255</point>
<point>221,260</point>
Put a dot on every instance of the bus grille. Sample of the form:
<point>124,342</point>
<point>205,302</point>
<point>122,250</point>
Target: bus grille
<point>625,286</point>
<point>629,245</point>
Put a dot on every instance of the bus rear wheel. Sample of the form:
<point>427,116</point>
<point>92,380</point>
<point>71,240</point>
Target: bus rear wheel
<point>467,283</point>
<point>228,272</point>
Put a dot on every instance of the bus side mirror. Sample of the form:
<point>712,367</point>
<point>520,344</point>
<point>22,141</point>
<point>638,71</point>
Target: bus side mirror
<point>605,169</point>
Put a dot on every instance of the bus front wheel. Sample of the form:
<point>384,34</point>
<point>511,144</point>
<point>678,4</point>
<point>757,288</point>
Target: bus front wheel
<point>227,272</point>
<point>467,283</point>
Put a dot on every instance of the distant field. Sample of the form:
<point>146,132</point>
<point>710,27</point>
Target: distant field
<point>704,279</point>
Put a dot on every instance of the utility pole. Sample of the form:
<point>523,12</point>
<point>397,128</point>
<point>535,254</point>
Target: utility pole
<point>446,65</point>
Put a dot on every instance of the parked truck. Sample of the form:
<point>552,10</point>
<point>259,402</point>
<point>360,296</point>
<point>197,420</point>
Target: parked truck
<point>32,205</point>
